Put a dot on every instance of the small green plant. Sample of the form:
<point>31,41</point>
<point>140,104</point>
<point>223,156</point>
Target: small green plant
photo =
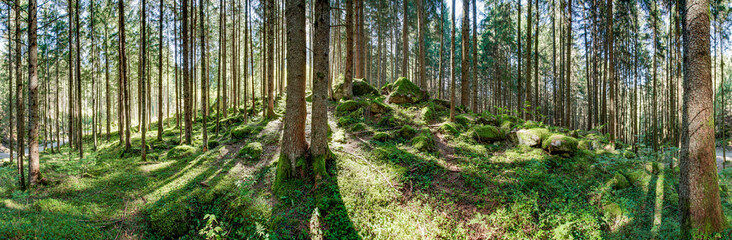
<point>213,229</point>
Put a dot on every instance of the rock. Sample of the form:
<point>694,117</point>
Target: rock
<point>619,181</point>
<point>487,119</point>
<point>531,137</point>
<point>362,88</point>
<point>558,144</point>
<point>428,114</point>
<point>463,120</point>
<point>348,106</point>
<point>442,103</point>
<point>382,136</point>
<point>583,145</point>
<point>424,141</point>
<point>638,178</point>
<point>448,128</point>
<point>506,126</point>
<point>386,89</point>
<point>404,91</point>
<point>407,132</point>
<point>629,154</point>
<point>252,150</point>
<point>379,107</point>
<point>488,134</point>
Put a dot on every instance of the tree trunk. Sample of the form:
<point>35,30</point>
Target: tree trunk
<point>160,74</point>
<point>34,170</point>
<point>523,105</point>
<point>611,65</point>
<point>187,101</point>
<point>465,57</point>
<point>294,146</point>
<point>452,65</point>
<point>319,138</point>
<point>269,32</point>
<point>405,39</point>
<point>20,121</point>
<point>420,25</point>
<point>699,202</point>
<point>475,57</point>
<point>204,74</point>
<point>143,78</point>
<point>348,76</point>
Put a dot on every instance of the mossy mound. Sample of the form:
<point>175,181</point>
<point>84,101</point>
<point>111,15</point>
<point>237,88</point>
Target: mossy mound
<point>424,141</point>
<point>407,132</point>
<point>559,144</point>
<point>488,134</point>
<point>362,88</point>
<point>169,218</point>
<point>629,155</point>
<point>212,143</point>
<point>181,151</point>
<point>252,150</point>
<point>531,137</point>
<point>245,131</point>
<point>382,136</point>
<point>487,119</point>
<point>619,181</point>
<point>404,91</point>
<point>345,121</point>
<point>348,106</point>
<point>378,107</point>
<point>463,120</point>
<point>448,128</point>
<point>358,127</point>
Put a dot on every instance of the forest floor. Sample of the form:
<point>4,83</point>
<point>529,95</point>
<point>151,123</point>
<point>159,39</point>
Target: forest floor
<point>384,183</point>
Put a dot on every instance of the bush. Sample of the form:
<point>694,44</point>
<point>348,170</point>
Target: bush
<point>181,151</point>
<point>252,150</point>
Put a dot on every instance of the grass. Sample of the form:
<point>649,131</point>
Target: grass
<point>377,189</point>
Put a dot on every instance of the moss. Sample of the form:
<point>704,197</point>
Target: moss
<point>407,132</point>
<point>358,127</point>
<point>629,154</point>
<point>619,181</point>
<point>559,144</point>
<point>462,119</point>
<point>252,150</point>
<point>309,97</point>
<point>245,131</point>
<point>531,137</point>
<point>429,113</point>
<point>345,121</point>
<point>487,119</point>
<point>348,106</point>
<point>213,143</point>
<point>319,168</point>
<point>283,172</point>
<point>181,151</point>
<point>362,88</point>
<point>488,134</point>
<point>506,126</point>
<point>583,145</point>
<point>638,178</point>
<point>386,89</point>
<point>356,114</point>
<point>388,121</point>
<point>448,128</point>
<point>378,107</point>
<point>404,91</point>
<point>382,136</point>
<point>169,217</point>
<point>424,141</point>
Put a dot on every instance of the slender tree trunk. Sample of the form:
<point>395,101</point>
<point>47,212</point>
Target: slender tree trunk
<point>465,57</point>
<point>420,25</point>
<point>405,39</point>
<point>319,138</point>
<point>160,74</point>
<point>699,201</point>
<point>34,170</point>
<point>270,19</point>
<point>528,64</point>
<point>11,81</point>
<point>611,65</point>
<point>143,79</point>
<point>187,93</point>
<point>442,37</point>
<point>79,116</point>
<point>348,76</point>
<point>20,121</point>
<point>204,74</point>
<point>654,122</point>
<point>519,106</point>
<point>452,65</point>
<point>475,57</point>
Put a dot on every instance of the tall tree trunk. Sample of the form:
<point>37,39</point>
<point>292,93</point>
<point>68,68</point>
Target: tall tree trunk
<point>34,169</point>
<point>442,37</point>
<point>452,65</point>
<point>143,78</point>
<point>405,39</point>
<point>11,127</point>
<point>294,145</point>
<point>699,202</point>
<point>524,108</point>
<point>568,69</point>
<point>79,116</point>
<point>611,65</point>
<point>160,74</point>
<point>519,93</point>
<point>20,121</point>
<point>319,139</point>
<point>270,22</point>
<point>654,122</point>
<point>187,94</point>
<point>465,57</point>
<point>475,57</point>
<point>348,76</point>
<point>204,73</point>
<point>420,29</point>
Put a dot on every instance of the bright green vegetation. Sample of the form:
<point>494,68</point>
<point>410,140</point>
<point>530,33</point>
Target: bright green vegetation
<point>392,177</point>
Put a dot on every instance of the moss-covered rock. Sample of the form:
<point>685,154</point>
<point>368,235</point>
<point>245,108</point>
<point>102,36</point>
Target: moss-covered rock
<point>488,134</point>
<point>428,114</point>
<point>559,144</point>
<point>424,141</point>
<point>244,131</point>
<point>382,136</point>
<point>583,145</point>
<point>463,120</point>
<point>213,143</point>
<point>378,107</point>
<point>348,106</point>
<point>629,154</point>
<point>506,126</point>
<point>487,119</point>
<point>407,132</point>
<point>388,121</point>
<point>448,128</point>
<point>362,88</point>
<point>252,150</point>
<point>181,151</point>
<point>531,137</point>
<point>169,217</point>
<point>358,127</point>
<point>619,181</point>
<point>345,121</point>
<point>404,91</point>
<point>638,178</point>
<point>441,103</point>
<point>386,89</point>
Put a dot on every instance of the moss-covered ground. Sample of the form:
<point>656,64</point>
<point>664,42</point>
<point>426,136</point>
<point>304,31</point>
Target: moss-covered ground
<point>398,185</point>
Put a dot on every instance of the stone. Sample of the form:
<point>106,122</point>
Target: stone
<point>559,144</point>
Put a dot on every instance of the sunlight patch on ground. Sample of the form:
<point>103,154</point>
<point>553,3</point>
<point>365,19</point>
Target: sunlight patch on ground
<point>155,166</point>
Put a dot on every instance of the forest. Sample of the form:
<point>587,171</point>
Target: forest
<point>365,119</point>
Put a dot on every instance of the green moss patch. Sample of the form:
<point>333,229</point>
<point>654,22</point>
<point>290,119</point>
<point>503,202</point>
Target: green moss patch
<point>559,144</point>
<point>252,150</point>
<point>404,91</point>
<point>181,151</point>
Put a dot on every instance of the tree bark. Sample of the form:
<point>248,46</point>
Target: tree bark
<point>187,101</point>
<point>348,76</point>
<point>452,65</point>
<point>319,139</point>
<point>34,170</point>
<point>465,57</point>
<point>405,39</point>
<point>699,201</point>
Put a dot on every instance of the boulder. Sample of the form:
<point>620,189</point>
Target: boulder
<point>559,144</point>
<point>382,136</point>
<point>488,134</point>
<point>531,137</point>
<point>487,119</point>
<point>348,106</point>
<point>362,88</point>
<point>448,128</point>
<point>619,181</point>
<point>379,107</point>
<point>424,142</point>
<point>407,132</point>
<point>404,91</point>
<point>463,119</point>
